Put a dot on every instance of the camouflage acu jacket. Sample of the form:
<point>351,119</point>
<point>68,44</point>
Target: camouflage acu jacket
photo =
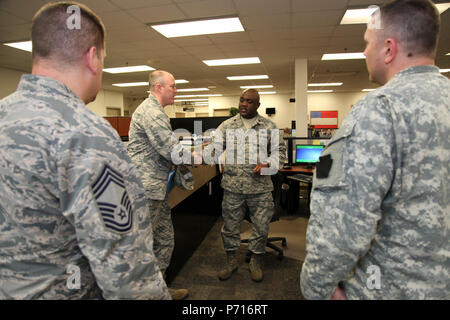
<point>151,146</point>
<point>380,209</point>
<point>242,150</point>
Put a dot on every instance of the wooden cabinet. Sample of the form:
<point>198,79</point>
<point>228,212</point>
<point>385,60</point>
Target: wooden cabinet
<point>121,124</point>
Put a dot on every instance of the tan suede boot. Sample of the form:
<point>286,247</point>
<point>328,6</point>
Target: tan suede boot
<point>230,267</point>
<point>255,267</point>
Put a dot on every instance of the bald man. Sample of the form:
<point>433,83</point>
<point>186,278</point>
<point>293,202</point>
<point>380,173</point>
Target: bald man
<point>151,146</point>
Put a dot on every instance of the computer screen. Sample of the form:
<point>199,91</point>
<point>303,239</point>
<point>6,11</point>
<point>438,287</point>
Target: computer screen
<point>307,154</point>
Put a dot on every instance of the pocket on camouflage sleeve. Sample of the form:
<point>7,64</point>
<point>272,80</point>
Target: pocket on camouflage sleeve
<point>330,170</point>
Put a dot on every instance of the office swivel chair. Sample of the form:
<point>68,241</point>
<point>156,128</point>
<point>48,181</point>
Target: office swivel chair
<point>277,181</point>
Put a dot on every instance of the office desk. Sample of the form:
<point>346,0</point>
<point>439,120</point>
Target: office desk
<point>293,182</point>
<point>202,175</point>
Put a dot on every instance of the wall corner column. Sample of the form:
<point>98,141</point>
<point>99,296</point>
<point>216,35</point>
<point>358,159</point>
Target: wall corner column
<point>301,98</point>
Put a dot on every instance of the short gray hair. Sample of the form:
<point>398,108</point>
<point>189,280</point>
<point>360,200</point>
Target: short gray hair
<point>157,76</point>
<point>416,23</point>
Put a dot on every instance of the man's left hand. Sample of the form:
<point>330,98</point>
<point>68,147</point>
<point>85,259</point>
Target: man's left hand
<point>257,169</point>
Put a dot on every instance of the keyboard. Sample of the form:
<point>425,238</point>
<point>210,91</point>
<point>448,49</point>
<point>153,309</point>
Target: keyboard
<point>301,177</point>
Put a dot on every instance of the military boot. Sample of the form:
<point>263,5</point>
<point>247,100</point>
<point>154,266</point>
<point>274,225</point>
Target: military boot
<point>230,267</point>
<point>255,267</point>
<point>178,294</point>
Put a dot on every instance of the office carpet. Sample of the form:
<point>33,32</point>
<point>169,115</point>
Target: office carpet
<point>199,274</point>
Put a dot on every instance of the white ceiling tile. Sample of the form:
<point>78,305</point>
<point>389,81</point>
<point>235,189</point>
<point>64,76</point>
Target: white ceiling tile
<point>263,7</point>
<point>266,22</point>
<point>184,42</point>
<point>208,8</point>
<point>158,14</point>
<point>306,6</point>
<point>133,4</point>
<point>8,19</point>
<point>119,19</point>
<point>317,18</point>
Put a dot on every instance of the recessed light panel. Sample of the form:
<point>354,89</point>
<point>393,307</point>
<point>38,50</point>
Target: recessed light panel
<point>128,69</point>
<point>343,56</point>
<point>229,62</point>
<point>131,84</point>
<point>199,27</point>
<point>319,91</point>
<point>24,45</point>
<point>257,87</point>
<point>255,77</point>
<point>330,84</point>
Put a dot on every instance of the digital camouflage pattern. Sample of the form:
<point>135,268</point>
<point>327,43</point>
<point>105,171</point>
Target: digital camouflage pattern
<point>162,225</point>
<point>151,146</point>
<point>152,143</point>
<point>243,188</point>
<point>234,207</point>
<point>69,197</point>
<point>385,202</point>
<point>238,176</point>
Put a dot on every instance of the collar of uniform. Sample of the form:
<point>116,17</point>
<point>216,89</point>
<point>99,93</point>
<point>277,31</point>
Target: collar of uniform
<point>417,69</point>
<point>259,119</point>
<point>155,102</point>
<point>45,84</point>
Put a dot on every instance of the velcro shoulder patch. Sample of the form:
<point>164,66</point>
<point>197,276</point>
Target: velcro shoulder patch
<point>323,167</point>
<point>112,200</point>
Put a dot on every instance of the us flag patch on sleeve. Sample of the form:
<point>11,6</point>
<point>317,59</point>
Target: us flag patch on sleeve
<point>112,200</point>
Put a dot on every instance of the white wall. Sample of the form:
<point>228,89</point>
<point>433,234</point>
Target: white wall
<point>9,80</point>
<point>342,102</point>
<point>106,99</point>
<point>284,110</point>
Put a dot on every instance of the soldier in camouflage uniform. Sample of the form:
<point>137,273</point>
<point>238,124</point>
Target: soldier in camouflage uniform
<point>380,209</point>
<point>152,147</point>
<point>246,179</point>
<point>73,217</point>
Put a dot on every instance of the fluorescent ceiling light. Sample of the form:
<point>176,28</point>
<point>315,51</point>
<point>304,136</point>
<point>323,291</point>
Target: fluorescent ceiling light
<point>444,70</point>
<point>343,56</point>
<point>131,84</point>
<point>330,84</point>
<point>256,87</point>
<point>442,7</point>
<point>448,54</point>
<point>354,16</point>
<point>180,100</point>
<point>192,89</point>
<point>368,90</point>
<point>128,69</point>
<point>248,77</point>
<point>229,62</point>
<point>181,81</point>
<point>195,28</point>
<point>319,91</point>
<point>268,92</point>
<point>24,45</point>
<point>198,95</point>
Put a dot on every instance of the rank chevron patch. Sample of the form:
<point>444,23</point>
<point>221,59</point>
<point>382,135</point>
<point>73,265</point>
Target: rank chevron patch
<point>113,201</point>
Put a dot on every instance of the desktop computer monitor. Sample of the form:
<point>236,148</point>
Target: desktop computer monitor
<point>307,154</point>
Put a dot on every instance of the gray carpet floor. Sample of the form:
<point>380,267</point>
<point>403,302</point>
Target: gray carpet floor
<point>199,274</point>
